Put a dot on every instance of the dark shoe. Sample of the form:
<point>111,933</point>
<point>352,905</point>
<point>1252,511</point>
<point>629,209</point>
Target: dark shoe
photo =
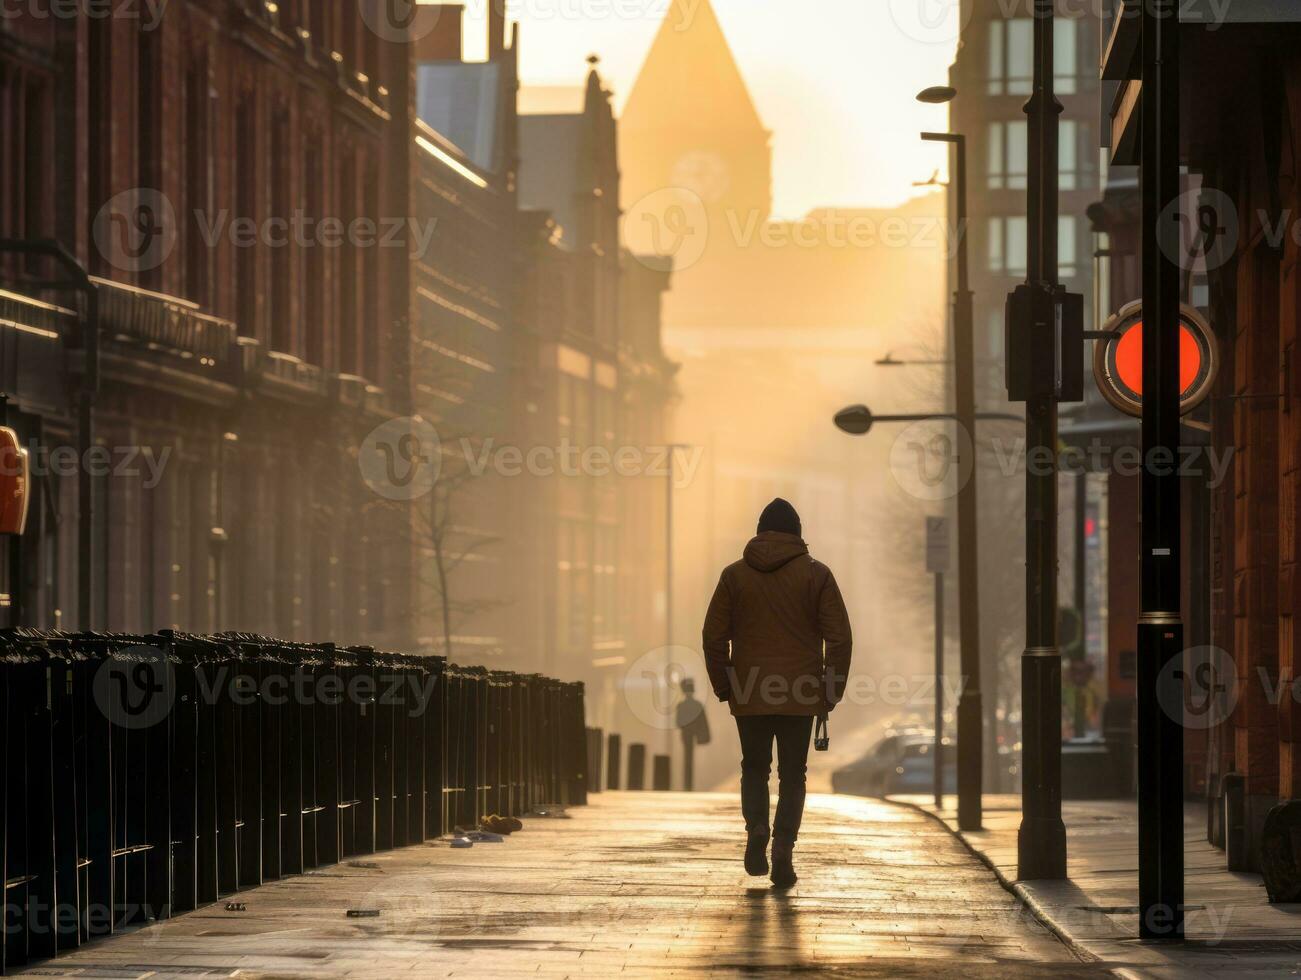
<point>783,867</point>
<point>756,854</point>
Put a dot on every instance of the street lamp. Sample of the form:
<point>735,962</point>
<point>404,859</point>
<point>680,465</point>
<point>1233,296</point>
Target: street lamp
<point>970,711</point>
<point>1160,625</point>
<point>858,420</point>
<point>1041,839</point>
<point>937,95</point>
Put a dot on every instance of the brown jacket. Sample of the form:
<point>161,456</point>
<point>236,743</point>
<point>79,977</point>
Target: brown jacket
<point>782,615</point>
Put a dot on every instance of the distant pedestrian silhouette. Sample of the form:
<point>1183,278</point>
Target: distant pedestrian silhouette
<point>777,646</point>
<point>693,723</point>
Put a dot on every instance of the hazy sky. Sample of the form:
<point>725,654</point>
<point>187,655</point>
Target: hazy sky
<point>833,79</point>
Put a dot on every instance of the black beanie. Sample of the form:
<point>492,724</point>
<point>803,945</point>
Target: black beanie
<point>780,516</point>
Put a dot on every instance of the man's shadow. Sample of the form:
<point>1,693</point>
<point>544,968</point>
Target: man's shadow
<point>772,923</point>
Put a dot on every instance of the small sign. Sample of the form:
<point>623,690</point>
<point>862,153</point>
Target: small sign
<point>937,545</point>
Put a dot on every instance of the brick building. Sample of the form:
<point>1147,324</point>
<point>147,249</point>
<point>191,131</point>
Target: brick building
<point>299,227</point>
<point>599,378</point>
<point>1241,542</point>
<point>533,332</point>
<point>170,158</point>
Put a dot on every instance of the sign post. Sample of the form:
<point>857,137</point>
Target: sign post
<point>1160,623</point>
<point>937,563</point>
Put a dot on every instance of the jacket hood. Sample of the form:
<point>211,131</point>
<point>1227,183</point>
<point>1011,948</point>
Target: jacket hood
<point>770,550</point>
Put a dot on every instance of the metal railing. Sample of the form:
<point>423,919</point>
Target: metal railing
<point>164,322</point>
<point>145,776</point>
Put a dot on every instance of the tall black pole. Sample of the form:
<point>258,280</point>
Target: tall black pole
<point>87,539</point>
<point>970,711</point>
<point>1160,625</point>
<point>1041,842</point>
<point>938,760</point>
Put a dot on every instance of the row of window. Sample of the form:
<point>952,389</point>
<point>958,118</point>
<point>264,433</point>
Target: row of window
<point>1011,56</point>
<point>1006,245</point>
<point>1007,155</point>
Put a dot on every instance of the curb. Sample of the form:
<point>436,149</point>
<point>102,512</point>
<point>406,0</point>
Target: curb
<point>1023,895</point>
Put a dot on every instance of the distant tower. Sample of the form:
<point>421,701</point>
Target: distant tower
<point>690,122</point>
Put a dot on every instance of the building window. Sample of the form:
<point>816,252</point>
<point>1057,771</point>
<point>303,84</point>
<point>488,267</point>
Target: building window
<point>246,180</point>
<point>1007,239</point>
<point>349,270</point>
<point>1067,247</point>
<point>281,257</point>
<point>995,339</point>
<point>316,280</point>
<point>1011,56</point>
<point>1068,163</point>
<point>1101,278</point>
<point>197,251</point>
<point>1007,155</point>
<point>1066,46</point>
<point>149,124</point>
<point>370,332</point>
<point>1007,246</point>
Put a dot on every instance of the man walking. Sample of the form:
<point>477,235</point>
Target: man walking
<point>777,646</point>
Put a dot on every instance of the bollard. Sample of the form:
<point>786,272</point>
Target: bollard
<point>595,745</point>
<point>636,766</point>
<point>613,751</point>
<point>662,773</point>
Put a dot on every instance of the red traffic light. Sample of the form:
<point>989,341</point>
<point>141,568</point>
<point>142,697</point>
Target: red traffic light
<point>1118,363</point>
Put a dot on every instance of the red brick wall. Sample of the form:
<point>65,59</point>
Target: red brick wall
<point>1256,602</point>
<point>192,76</point>
<point>1289,477</point>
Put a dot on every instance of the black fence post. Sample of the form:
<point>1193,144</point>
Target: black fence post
<point>613,751</point>
<point>595,746</point>
<point>663,771</point>
<point>636,766</point>
<point>250,772</point>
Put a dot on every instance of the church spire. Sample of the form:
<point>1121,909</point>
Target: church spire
<point>691,67</point>
<point>690,122</point>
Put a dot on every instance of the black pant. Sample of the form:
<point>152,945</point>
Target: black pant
<point>792,734</point>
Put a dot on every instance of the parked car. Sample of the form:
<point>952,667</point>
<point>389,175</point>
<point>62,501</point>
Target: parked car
<point>915,772</point>
<point>893,765</point>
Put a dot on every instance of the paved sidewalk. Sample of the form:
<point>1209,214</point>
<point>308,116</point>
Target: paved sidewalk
<point>635,884</point>
<point>1231,927</point>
